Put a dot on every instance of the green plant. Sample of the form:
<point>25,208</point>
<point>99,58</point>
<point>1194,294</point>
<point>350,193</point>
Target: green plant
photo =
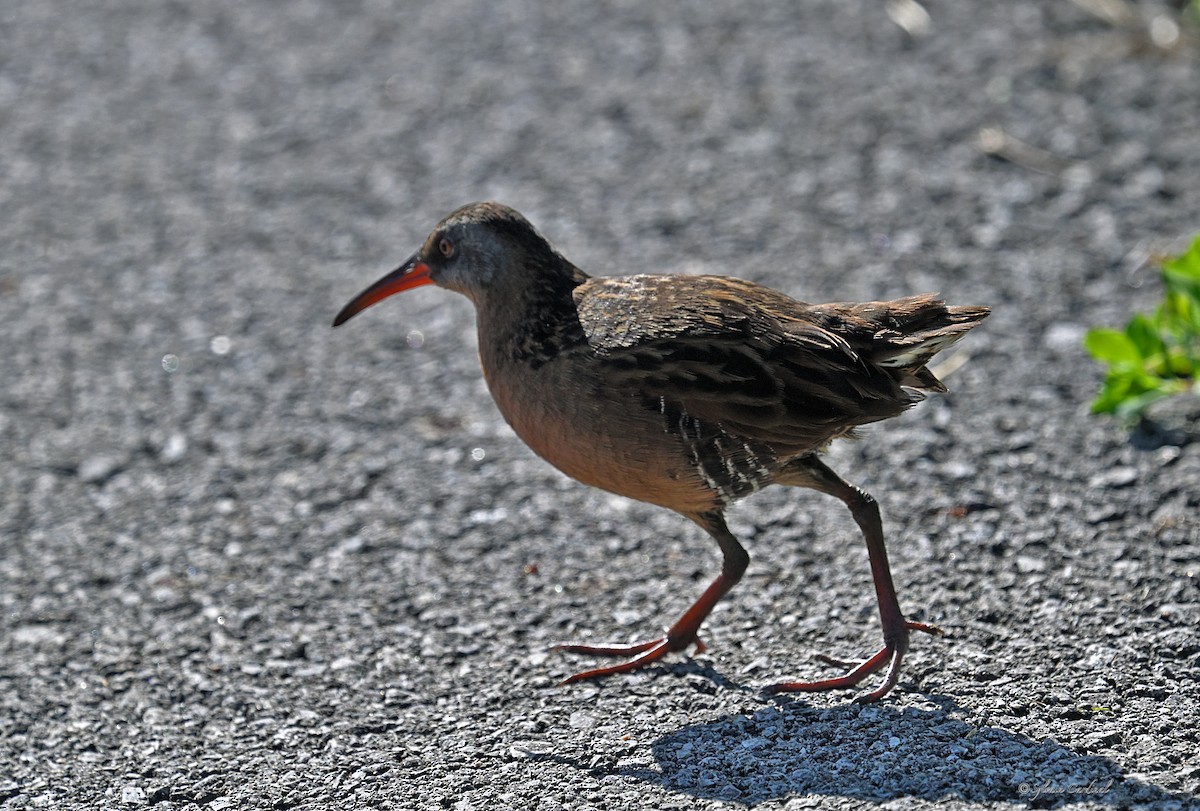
<point>1157,355</point>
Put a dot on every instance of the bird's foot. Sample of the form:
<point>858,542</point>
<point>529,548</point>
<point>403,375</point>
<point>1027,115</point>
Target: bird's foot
<point>891,654</point>
<point>641,653</point>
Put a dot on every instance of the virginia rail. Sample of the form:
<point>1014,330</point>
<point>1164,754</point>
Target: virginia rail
<point>689,392</point>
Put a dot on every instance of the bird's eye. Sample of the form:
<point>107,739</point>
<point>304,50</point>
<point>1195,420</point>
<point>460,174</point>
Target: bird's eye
<point>446,247</point>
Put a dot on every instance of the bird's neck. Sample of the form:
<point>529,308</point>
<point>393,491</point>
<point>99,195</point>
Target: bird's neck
<point>535,323</point>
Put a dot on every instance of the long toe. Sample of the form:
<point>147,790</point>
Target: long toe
<point>647,652</point>
<point>641,653</point>
<point>609,650</point>
<point>858,672</point>
<point>891,654</point>
<point>889,681</point>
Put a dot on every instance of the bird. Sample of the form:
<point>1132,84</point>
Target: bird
<point>689,392</point>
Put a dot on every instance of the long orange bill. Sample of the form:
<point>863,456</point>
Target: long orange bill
<point>412,273</point>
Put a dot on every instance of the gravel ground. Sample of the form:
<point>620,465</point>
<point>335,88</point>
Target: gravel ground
<point>250,562</point>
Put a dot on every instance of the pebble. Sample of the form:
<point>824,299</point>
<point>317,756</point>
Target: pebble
<point>98,468</point>
<point>1115,478</point>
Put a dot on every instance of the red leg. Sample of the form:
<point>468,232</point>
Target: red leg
<point>686,629</point>
<point>811,472</point>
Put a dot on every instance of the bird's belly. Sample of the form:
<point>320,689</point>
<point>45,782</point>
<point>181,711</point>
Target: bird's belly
<point>609,442</point>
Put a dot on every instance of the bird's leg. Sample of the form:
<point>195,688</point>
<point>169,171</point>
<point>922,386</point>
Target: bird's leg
<point>811,472</point>
<point>686,629</point>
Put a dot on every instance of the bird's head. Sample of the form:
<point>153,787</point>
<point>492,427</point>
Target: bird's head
<point>481,250</point>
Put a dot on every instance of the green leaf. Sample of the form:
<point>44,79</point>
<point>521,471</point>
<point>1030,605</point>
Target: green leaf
<point>1177,313</point>
<point>1143,333</point>
<point>1180,364</point>
<point>1114,391</point>
<point>1110,346</point>
<point>1183,285</point>
<point>1181,274</point>
<point>1186,264</point>
<point>1158,354</point>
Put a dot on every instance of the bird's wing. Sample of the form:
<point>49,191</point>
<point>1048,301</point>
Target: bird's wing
<point>734,354</point>
<point>627,312</point>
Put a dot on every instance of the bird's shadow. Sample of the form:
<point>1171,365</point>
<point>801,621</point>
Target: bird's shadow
<point>879,753</point>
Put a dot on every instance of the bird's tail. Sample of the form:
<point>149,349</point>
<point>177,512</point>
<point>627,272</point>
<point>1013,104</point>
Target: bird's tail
<point>903,335</point>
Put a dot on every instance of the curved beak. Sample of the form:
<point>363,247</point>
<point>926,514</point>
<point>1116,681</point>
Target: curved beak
<point>412,273</point>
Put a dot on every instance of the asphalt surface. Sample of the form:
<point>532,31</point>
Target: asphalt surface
<point>247,561</point>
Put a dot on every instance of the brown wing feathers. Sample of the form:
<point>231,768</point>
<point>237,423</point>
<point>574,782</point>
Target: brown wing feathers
<point>762,365</point>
